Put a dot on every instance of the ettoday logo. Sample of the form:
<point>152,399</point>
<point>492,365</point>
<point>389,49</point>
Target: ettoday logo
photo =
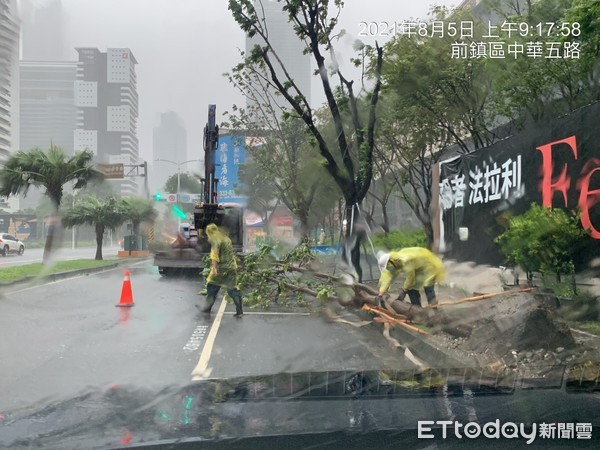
<point>508,430</point>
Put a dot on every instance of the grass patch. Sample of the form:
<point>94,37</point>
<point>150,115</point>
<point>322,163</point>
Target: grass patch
<point>397,239</point>
<point>9,274</point>
<point>590,327</point>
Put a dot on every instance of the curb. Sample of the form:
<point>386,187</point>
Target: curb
<point>63,275</point>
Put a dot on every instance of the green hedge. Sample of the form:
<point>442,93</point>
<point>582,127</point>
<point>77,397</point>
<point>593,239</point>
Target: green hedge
<point>395,240</point>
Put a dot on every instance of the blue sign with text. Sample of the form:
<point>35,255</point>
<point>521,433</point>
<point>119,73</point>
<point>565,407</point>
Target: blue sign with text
<point>230,154</point>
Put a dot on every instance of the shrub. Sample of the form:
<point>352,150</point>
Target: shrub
<point>398,239</point>
<point>543,240</point>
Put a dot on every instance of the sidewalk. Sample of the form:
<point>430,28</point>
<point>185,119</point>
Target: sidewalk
<point>475,279</point>
<point>484,279</point>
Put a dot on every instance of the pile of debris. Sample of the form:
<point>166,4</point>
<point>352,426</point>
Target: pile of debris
<point>517,332</point>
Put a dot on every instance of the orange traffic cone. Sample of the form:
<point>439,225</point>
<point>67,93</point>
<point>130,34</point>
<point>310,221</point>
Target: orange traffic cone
<point>126,293</point>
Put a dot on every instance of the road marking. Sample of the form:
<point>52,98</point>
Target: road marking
<point>197,337</point>
<point>202,371</point>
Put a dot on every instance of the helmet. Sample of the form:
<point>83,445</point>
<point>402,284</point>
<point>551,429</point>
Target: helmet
<point>382,259</point>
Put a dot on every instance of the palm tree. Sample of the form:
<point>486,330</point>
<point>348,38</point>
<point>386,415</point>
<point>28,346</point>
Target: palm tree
<point>51,169</point>
<point>139,210</point>
<point>103,214</point>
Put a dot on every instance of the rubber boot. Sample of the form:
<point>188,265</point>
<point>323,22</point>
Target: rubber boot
<point>237,300</point>
<point>414,296</point>
<point>211,296</point>
<point>430,294</point>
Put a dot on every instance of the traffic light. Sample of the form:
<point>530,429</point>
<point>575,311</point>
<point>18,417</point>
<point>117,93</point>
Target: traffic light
<point>157,197</point>
<point>178,212</point>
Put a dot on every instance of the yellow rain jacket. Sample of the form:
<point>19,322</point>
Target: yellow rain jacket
<point>422,268</point>
<point>221,252</point>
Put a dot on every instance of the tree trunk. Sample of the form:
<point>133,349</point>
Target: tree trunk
<point>428,228</point>
<point>304,237</point>
<point>53,229</point>
<point>353,240</point>
<point>99,238</point>
<point>386,219</point>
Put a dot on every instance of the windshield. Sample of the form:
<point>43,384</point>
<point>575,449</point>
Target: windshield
<point>301,223</point>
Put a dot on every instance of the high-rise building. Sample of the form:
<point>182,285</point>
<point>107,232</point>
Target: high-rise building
<point>48,111</point>
<point>107,101</point>
<point>169,142</point>
<point>287,45</point>
<point>9,78</point>
<point>42,31</point>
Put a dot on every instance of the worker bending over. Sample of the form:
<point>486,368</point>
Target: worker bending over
<point>422,269</point>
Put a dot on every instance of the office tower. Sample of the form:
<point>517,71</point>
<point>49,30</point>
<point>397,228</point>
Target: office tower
<point>42,37</point>
<point>48,111</point>
<point>107,101</point>
<point>286,44</point>
<point>169,141</point>
<point>9,78</point>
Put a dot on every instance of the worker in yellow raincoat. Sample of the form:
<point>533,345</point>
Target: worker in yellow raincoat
<point>422,269</point>
<point>223,270</point>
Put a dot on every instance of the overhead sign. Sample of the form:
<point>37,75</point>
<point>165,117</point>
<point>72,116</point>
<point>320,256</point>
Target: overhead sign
<point>111,171</point>
<point>185,197</point>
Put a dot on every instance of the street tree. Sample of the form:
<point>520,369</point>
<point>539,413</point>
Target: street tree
<point>188,183</point>
<point>298,180</point>
<point>139,210</point>
<point>410,149</point>
<point>103,214</point>
<point>52,170</point>
<point>261,197</point>
<point>559,72</point>
<point>383,187</point>
<point>424,81</point>
<point>432,101</point>
<point>349,162</point>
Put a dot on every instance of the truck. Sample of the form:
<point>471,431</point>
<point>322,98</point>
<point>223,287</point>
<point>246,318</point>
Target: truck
<point>188,251</point>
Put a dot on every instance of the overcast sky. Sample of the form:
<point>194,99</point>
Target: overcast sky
<point>184,46</point>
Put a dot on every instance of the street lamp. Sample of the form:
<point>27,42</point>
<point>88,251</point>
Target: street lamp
<point>178,164</point>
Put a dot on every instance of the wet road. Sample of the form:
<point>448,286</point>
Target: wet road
<point>65,337</point>
<point>34,255</point>
<point>77,372</point>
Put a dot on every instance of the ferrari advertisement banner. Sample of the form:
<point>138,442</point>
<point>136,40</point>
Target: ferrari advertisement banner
<point>555,164</point>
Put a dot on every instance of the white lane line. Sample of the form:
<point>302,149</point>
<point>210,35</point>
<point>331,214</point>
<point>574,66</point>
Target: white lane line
<point>202,371</point>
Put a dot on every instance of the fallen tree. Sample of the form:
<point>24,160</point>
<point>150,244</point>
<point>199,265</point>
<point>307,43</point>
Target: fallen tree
<point>265,279</point>
<point>518,328</point>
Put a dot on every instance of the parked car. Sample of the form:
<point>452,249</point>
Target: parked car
<point>10,244</point>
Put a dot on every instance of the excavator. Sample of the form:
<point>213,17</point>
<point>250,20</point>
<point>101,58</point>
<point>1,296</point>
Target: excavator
<point>188,251</point>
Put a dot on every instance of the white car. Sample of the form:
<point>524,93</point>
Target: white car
<point>10,244</point>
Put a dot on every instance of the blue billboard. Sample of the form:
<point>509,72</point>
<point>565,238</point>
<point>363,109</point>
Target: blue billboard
<point>231,153</point>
